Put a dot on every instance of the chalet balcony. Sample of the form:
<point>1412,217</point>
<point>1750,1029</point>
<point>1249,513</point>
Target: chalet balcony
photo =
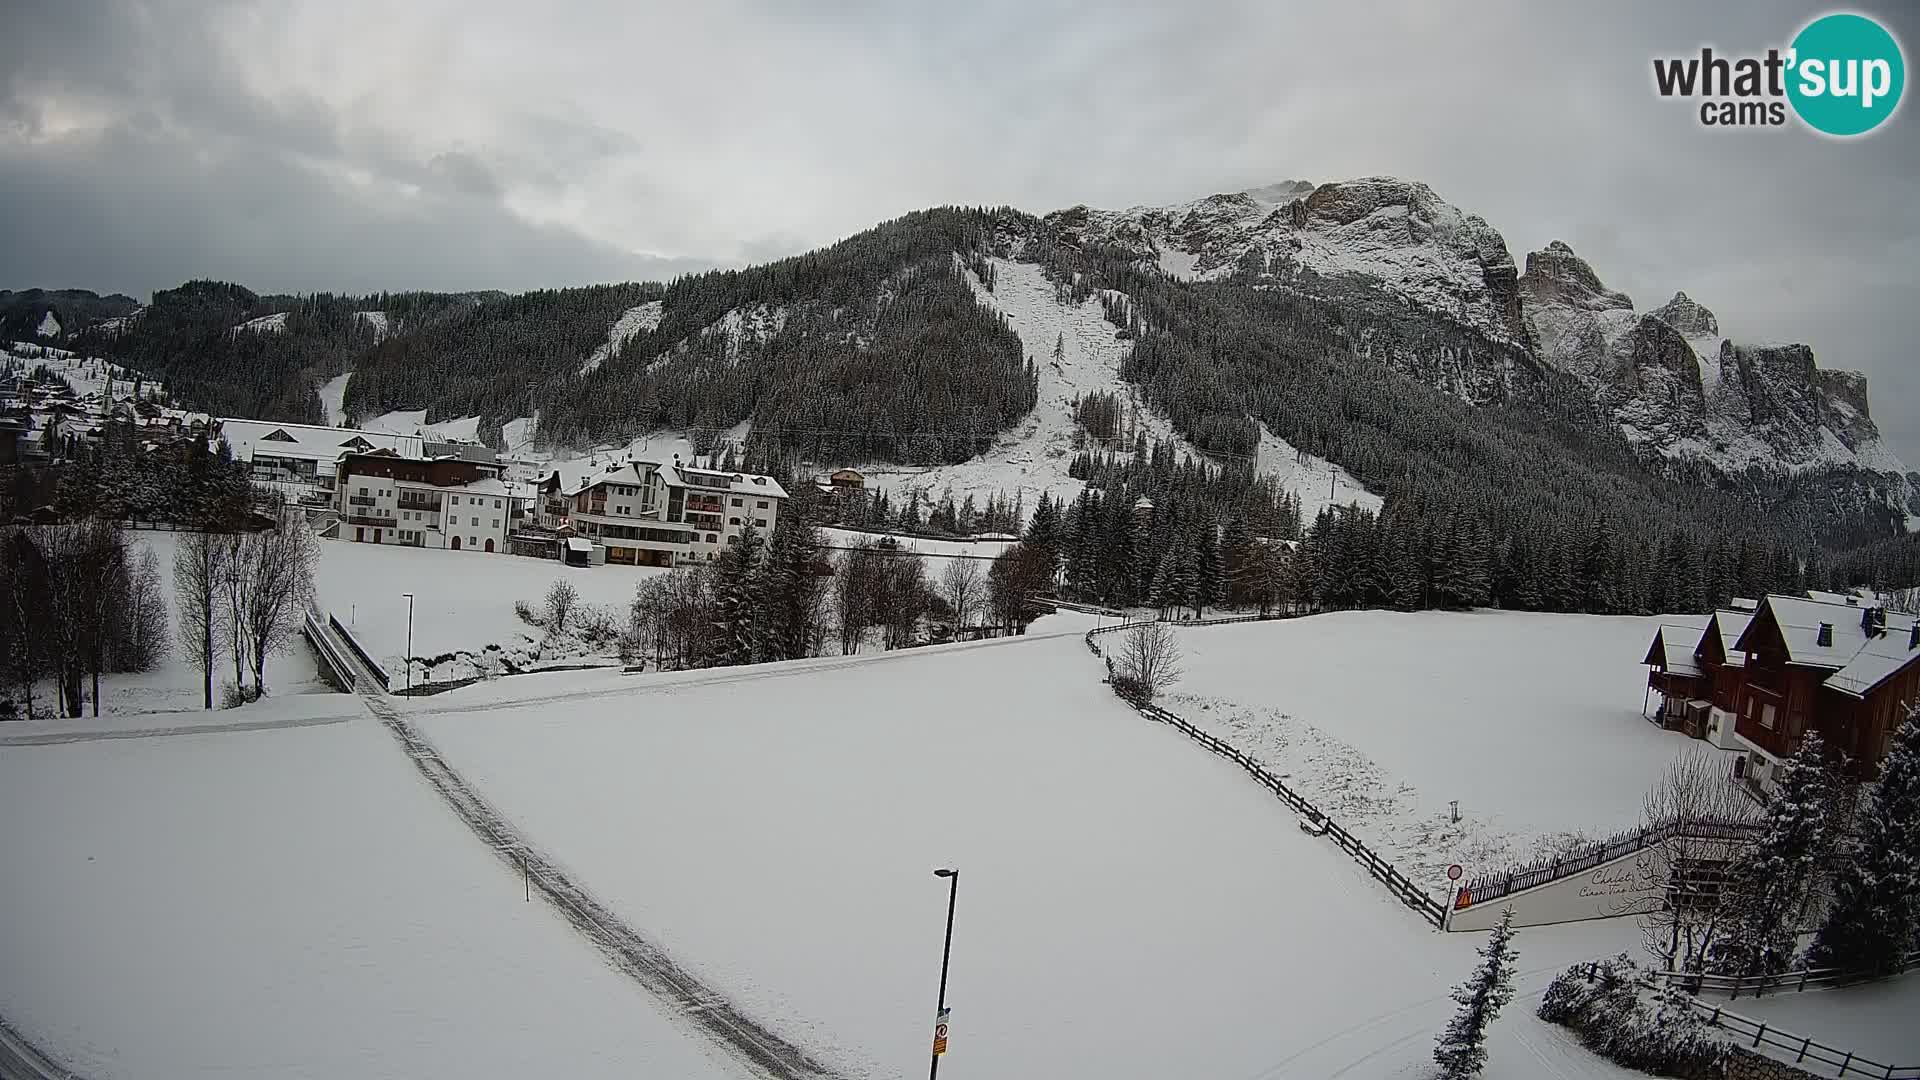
<point>406,503</point>
<point>1677,684</point>
<point>1774,740</point>
<point>361,500</point>
<point>370,519</point>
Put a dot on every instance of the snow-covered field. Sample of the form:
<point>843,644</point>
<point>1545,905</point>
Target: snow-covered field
<point>1382,718</point>
<point>290,904</point>
<point>463,600</point>
<point>1130,906</point>
<point>414,422</point>
<point>333,400</point>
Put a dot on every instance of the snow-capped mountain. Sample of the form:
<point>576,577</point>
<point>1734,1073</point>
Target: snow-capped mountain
<point>1378,231</point>
<point>1677,385</point>
<point>1674,383</point>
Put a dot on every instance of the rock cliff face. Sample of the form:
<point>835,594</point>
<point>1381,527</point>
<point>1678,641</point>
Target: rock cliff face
<point>1675,383</point>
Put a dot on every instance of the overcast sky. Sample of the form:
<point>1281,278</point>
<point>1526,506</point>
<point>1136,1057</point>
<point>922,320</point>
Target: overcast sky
<point>355,145</point>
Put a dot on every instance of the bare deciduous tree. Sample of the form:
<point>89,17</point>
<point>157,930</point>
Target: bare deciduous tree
<point>1696,789</point>
<point>562,597</point>
<point>854,585</point>
<point>199,565</point>
<point>961,583</point>
<point>1150,655</point>
<point>280,563</point>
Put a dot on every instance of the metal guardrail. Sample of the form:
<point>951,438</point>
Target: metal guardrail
<point>344,670</point>
<point>1398,884</point>
<point>374,670</point>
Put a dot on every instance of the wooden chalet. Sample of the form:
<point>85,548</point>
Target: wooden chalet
<point>1759,680</point>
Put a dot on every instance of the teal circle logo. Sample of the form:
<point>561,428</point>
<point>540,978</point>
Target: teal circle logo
<point>1847,74</point>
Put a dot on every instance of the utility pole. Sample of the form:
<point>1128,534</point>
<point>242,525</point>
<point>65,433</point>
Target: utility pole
<point>409,656</point>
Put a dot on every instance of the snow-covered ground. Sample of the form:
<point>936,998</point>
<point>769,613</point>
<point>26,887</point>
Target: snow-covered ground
<point>463,600</point>
<point>1319,482</point>
<point>1532,722</point>
<point>86,374</point>
<point>1874,1020</point>
<point>49,325</point>
<point>635,320</point>
<point>935,554</point>
<point>333,400</point>
<point>294,904</point>
<point>265,323</point>
<point>414,422</point>
<point>375,319</point>
<point>1130,905</point>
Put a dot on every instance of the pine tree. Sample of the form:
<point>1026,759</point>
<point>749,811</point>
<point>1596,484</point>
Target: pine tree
<point>1875,916</point>
<point>736,613</point>
<point>1770,883</point>
<point>1461,1050</point>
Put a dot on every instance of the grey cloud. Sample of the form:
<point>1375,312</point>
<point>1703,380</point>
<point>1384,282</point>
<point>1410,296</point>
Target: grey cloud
<point>748,130</point>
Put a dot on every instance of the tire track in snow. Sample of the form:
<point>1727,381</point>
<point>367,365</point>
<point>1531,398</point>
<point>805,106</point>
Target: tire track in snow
<point>699,1006</point>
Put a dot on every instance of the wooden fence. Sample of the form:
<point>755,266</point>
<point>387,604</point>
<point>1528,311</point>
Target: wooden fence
<point>1803,1048</point>
<point>1380,869</point>
<point>1786,982</point>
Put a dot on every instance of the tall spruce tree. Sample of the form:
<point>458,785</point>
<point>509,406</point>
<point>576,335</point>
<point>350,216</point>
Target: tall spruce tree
<point>1770,884</point>
<point>1461,1050</point>
<point>1874,920</point>
<point>736,600</point>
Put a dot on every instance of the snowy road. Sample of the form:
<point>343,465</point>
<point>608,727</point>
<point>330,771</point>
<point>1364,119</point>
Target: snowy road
<point>21,1060</point>
<point>698,1005</point>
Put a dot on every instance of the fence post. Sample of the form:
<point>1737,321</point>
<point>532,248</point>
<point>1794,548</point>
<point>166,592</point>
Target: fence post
<point>1758,1034</point>
<point>1715,1019</point>
<point>1804,1043</point>
<point>1804,972</point>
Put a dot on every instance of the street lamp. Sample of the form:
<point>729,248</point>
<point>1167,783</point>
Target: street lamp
<point>940,1018</point>
<point>409,656</point>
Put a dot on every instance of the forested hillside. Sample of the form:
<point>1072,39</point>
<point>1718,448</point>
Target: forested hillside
<point>23,314</point>
<point>872,349</point>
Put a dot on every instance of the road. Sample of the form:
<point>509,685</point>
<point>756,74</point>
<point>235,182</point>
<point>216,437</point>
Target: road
<point>21,1060</point>
<point>701,1007</point>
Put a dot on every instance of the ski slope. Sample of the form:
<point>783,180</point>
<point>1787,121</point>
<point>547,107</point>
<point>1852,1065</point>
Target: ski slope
<point>638,319</point>
<point>293,904</point>
<point>1130,906</point>
<point>333,400</point>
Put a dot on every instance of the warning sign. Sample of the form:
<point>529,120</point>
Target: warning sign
<point>940,1032</point>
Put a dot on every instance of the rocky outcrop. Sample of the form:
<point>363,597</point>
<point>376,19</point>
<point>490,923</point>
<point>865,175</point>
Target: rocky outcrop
<point>1387,233</point>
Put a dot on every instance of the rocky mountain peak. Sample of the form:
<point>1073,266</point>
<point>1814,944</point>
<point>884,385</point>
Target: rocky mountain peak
<point>1686,315</point>
<point>1555,275</point>
<point>1282,193</point>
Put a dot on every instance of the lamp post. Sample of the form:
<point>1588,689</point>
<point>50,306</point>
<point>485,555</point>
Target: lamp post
<point>946,953</point>
<point>409,656</point>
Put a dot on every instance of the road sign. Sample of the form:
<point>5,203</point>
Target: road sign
<point>940,1032</point>
<point>1454,872</point>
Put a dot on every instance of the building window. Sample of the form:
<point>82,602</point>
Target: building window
<point>496,504</point>
<point>363,491</point>
<point>476,523</point>
<point>760,523</point>
<point>711,539</point>
<point>761,505</point>
<point>496,523</point>
<point>1766,717</point>
<point>736,502</point>
<point>733,521</point>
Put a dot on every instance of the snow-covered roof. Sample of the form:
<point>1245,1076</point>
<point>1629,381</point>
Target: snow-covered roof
<point>1731,625</point>
<point>1800,620</point>
<point>749,483</point>
<point>578,543</point>
<point>310,441</point>
<point>1676,641</point>
<point>1885,656</point>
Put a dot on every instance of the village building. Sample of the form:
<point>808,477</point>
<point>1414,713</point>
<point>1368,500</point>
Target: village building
<point>1759,680</point>
<point>298,460</point>
<point>645,513</point>
<point>442,502</point>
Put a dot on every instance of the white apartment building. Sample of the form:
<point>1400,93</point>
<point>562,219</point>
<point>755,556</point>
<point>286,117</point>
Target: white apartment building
<point>299,459</point>
<point>437,502</point>
<point>648,513</point>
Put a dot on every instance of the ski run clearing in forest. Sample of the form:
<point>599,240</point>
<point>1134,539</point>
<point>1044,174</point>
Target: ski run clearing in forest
<point>641,318</point>
<point>1077,353</point>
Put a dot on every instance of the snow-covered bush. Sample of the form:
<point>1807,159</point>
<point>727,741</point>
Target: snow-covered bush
<point>525,611</point>
<point>1624,1020</point>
